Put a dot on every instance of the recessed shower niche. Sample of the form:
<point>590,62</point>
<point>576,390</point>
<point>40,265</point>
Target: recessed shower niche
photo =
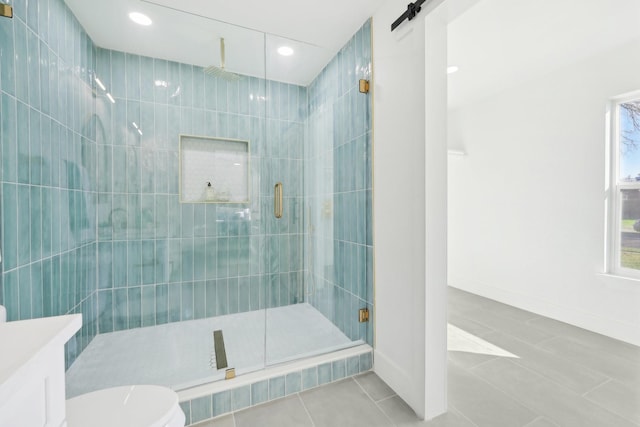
<point>214,170</point>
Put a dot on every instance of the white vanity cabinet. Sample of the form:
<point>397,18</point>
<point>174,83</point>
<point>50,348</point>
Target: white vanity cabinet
<point>32,383</point>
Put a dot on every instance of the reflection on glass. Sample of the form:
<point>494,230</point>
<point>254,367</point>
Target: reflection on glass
<point>630,230</point>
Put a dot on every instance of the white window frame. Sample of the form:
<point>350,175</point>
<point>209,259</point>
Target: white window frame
<point>616,186</point>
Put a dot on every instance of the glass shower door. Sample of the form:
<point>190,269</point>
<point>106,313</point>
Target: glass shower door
<point>319,258</point>
<point>238,328</point>
<point>283,202</point>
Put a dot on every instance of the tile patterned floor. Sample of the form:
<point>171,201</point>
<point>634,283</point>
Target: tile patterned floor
<point>545,374</point>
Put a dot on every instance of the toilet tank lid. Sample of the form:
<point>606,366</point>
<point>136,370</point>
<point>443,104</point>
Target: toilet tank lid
<point>126,406</point>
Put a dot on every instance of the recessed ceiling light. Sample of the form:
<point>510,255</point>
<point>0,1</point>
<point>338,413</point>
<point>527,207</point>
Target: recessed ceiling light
<point>452,69</point>
<point>285,51</point>
<point>140,18</point>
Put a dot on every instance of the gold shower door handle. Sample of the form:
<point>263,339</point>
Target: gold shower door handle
<point>277,200</point>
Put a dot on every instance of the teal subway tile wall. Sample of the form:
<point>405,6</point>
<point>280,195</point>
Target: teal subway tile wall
<point>339,274</point>
<point>90,215</point>
<point>48,179</point>
<point>164,261</point>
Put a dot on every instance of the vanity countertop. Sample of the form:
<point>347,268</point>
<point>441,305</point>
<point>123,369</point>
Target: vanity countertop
<point>21,342</point>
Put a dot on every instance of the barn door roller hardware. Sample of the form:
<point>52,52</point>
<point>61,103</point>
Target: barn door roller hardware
<point>412,10</point>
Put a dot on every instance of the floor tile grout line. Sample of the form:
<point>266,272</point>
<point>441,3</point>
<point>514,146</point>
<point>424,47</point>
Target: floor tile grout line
<point>507,333</point>
<point>541,417</point>
<point>605,382</point>
<point>306,410</point>
<point>383,412</point>
<point>571,337</point>
<point>384,399</point>
<point>521,341</point>
<point>374,402</point>
<point>509,396</point>
<point>355,378</point>
<point>547,340</point>
<point>537,346</point>
<point>563,358</point>
<point>367,393</point>
<point>459,412</point>
<point>599,349</point>
<point>571,391</point>
<point>553,380</point>
<point>472,366</point>
<point>468,369</point>
<point>624,417</point>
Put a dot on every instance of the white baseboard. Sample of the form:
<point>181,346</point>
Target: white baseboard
<point>400,381</point>
<point>626,332</point>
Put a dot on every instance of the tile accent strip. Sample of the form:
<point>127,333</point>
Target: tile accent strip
<point>265,390</point>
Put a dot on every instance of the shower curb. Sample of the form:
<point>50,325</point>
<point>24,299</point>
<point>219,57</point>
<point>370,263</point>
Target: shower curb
<point>283,382</point>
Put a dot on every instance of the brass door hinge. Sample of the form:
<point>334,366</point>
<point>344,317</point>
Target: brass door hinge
<point>364,86</point>
<point>364,315</point>
<point>6,10</point>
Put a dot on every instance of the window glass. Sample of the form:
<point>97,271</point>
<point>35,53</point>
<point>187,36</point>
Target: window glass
<point>626,226</point>
<point>629,140</point>
<point>630,229</point>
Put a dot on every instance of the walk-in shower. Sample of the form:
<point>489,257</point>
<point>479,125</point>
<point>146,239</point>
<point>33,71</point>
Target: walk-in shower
<point>165,203</point>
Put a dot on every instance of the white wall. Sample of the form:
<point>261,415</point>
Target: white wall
<point>526,205</point>
<point>410,198</point>
<point>399,204</point>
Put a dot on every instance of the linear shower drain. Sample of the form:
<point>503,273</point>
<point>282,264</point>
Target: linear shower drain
<point>219,352</point>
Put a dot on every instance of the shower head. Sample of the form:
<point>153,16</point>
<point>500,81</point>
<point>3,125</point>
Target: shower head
<point>220,71</point>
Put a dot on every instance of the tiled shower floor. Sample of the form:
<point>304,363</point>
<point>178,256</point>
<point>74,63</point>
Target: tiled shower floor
<point>178,355</point>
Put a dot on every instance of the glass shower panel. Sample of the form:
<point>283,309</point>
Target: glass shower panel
<point>318,131</point>
<point>280,277</point>
<point>171,270</point>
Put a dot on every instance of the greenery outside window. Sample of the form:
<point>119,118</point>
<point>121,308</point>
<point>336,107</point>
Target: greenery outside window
<point>625,218</point>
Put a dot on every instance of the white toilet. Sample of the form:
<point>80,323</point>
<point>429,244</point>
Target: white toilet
<point>127,406</point>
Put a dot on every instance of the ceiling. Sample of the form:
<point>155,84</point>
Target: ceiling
<point>188,31</point>
<point>499,44</point>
